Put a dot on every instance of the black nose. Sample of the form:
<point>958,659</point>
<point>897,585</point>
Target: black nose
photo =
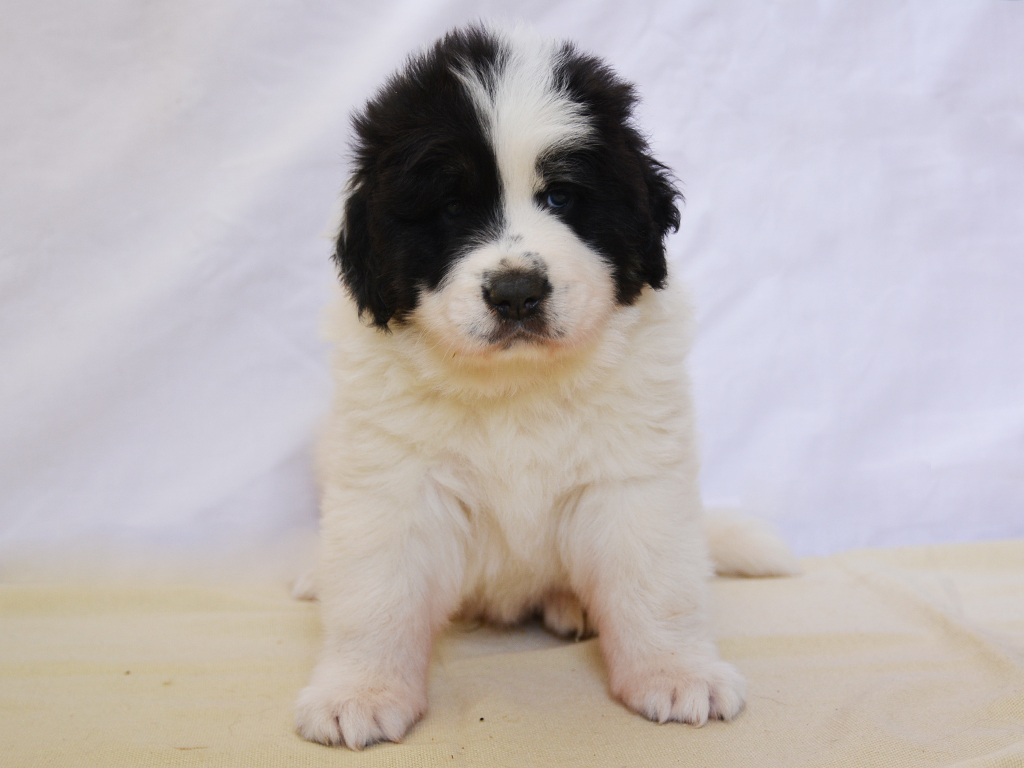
<point>517,295</point>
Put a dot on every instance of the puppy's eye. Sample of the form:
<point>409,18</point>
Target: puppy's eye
<point>556,199</point>
<point>453,208</point>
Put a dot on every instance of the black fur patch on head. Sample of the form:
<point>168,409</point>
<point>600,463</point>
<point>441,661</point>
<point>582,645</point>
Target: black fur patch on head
<point>622,202</point>
<point>425,184</point>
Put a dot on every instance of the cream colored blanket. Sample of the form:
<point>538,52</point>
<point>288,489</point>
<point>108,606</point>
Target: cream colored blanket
<point>911,657</point>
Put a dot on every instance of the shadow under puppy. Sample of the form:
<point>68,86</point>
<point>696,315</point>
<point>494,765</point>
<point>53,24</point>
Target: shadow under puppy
<point>512,431</point>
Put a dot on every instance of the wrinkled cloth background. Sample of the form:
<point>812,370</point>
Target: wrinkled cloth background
<point>853,238</point>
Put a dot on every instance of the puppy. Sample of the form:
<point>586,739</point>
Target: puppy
<point>512,432</point>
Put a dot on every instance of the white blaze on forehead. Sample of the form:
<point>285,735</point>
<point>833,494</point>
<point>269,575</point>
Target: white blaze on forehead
<point>525,116</point>
<point>524,112</point>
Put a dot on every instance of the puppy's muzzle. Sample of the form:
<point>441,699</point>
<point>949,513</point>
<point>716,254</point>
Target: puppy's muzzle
<point>516,296</point>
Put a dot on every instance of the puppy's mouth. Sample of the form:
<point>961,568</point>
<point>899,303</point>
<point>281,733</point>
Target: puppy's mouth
<point>508,333</point>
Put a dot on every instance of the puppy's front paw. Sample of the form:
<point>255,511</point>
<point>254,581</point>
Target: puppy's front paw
<point>691,694</point>
<point>338,707</point>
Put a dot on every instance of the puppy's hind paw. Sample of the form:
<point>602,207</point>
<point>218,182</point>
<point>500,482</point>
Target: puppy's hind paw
<point>565,616</point>
<point>304,587</point>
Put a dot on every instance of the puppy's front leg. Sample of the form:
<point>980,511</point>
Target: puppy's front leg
<point>638,560</point>
<point>389,578</point>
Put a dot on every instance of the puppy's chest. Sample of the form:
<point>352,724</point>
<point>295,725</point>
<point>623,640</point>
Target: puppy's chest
<point>517,473</point>
<point>518,469</point>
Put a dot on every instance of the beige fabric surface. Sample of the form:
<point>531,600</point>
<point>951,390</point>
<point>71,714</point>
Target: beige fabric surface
<point>911,657</point>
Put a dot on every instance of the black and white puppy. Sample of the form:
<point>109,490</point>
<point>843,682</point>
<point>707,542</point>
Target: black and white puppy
<point>512,431</point>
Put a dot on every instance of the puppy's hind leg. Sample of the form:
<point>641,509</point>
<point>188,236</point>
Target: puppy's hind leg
<point>389,578</point>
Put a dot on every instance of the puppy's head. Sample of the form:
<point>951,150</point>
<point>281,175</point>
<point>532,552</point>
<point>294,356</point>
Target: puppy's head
<point>502,200</point>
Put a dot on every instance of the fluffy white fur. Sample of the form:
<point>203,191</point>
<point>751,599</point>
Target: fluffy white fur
<point>555,476</point>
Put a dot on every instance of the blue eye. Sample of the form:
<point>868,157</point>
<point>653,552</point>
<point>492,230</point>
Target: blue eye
<point>557,198</point>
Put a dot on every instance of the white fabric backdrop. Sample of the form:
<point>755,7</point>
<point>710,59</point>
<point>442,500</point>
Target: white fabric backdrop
<point>853,238</point>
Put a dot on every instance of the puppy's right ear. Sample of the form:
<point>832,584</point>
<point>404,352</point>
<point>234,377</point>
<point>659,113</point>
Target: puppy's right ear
<point>362,258</point>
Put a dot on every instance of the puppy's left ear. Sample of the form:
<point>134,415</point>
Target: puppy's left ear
<point>661,200</point>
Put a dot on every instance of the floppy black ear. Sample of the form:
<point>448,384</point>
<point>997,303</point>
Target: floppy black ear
<point>661,200</point>
<point>363,260</point>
